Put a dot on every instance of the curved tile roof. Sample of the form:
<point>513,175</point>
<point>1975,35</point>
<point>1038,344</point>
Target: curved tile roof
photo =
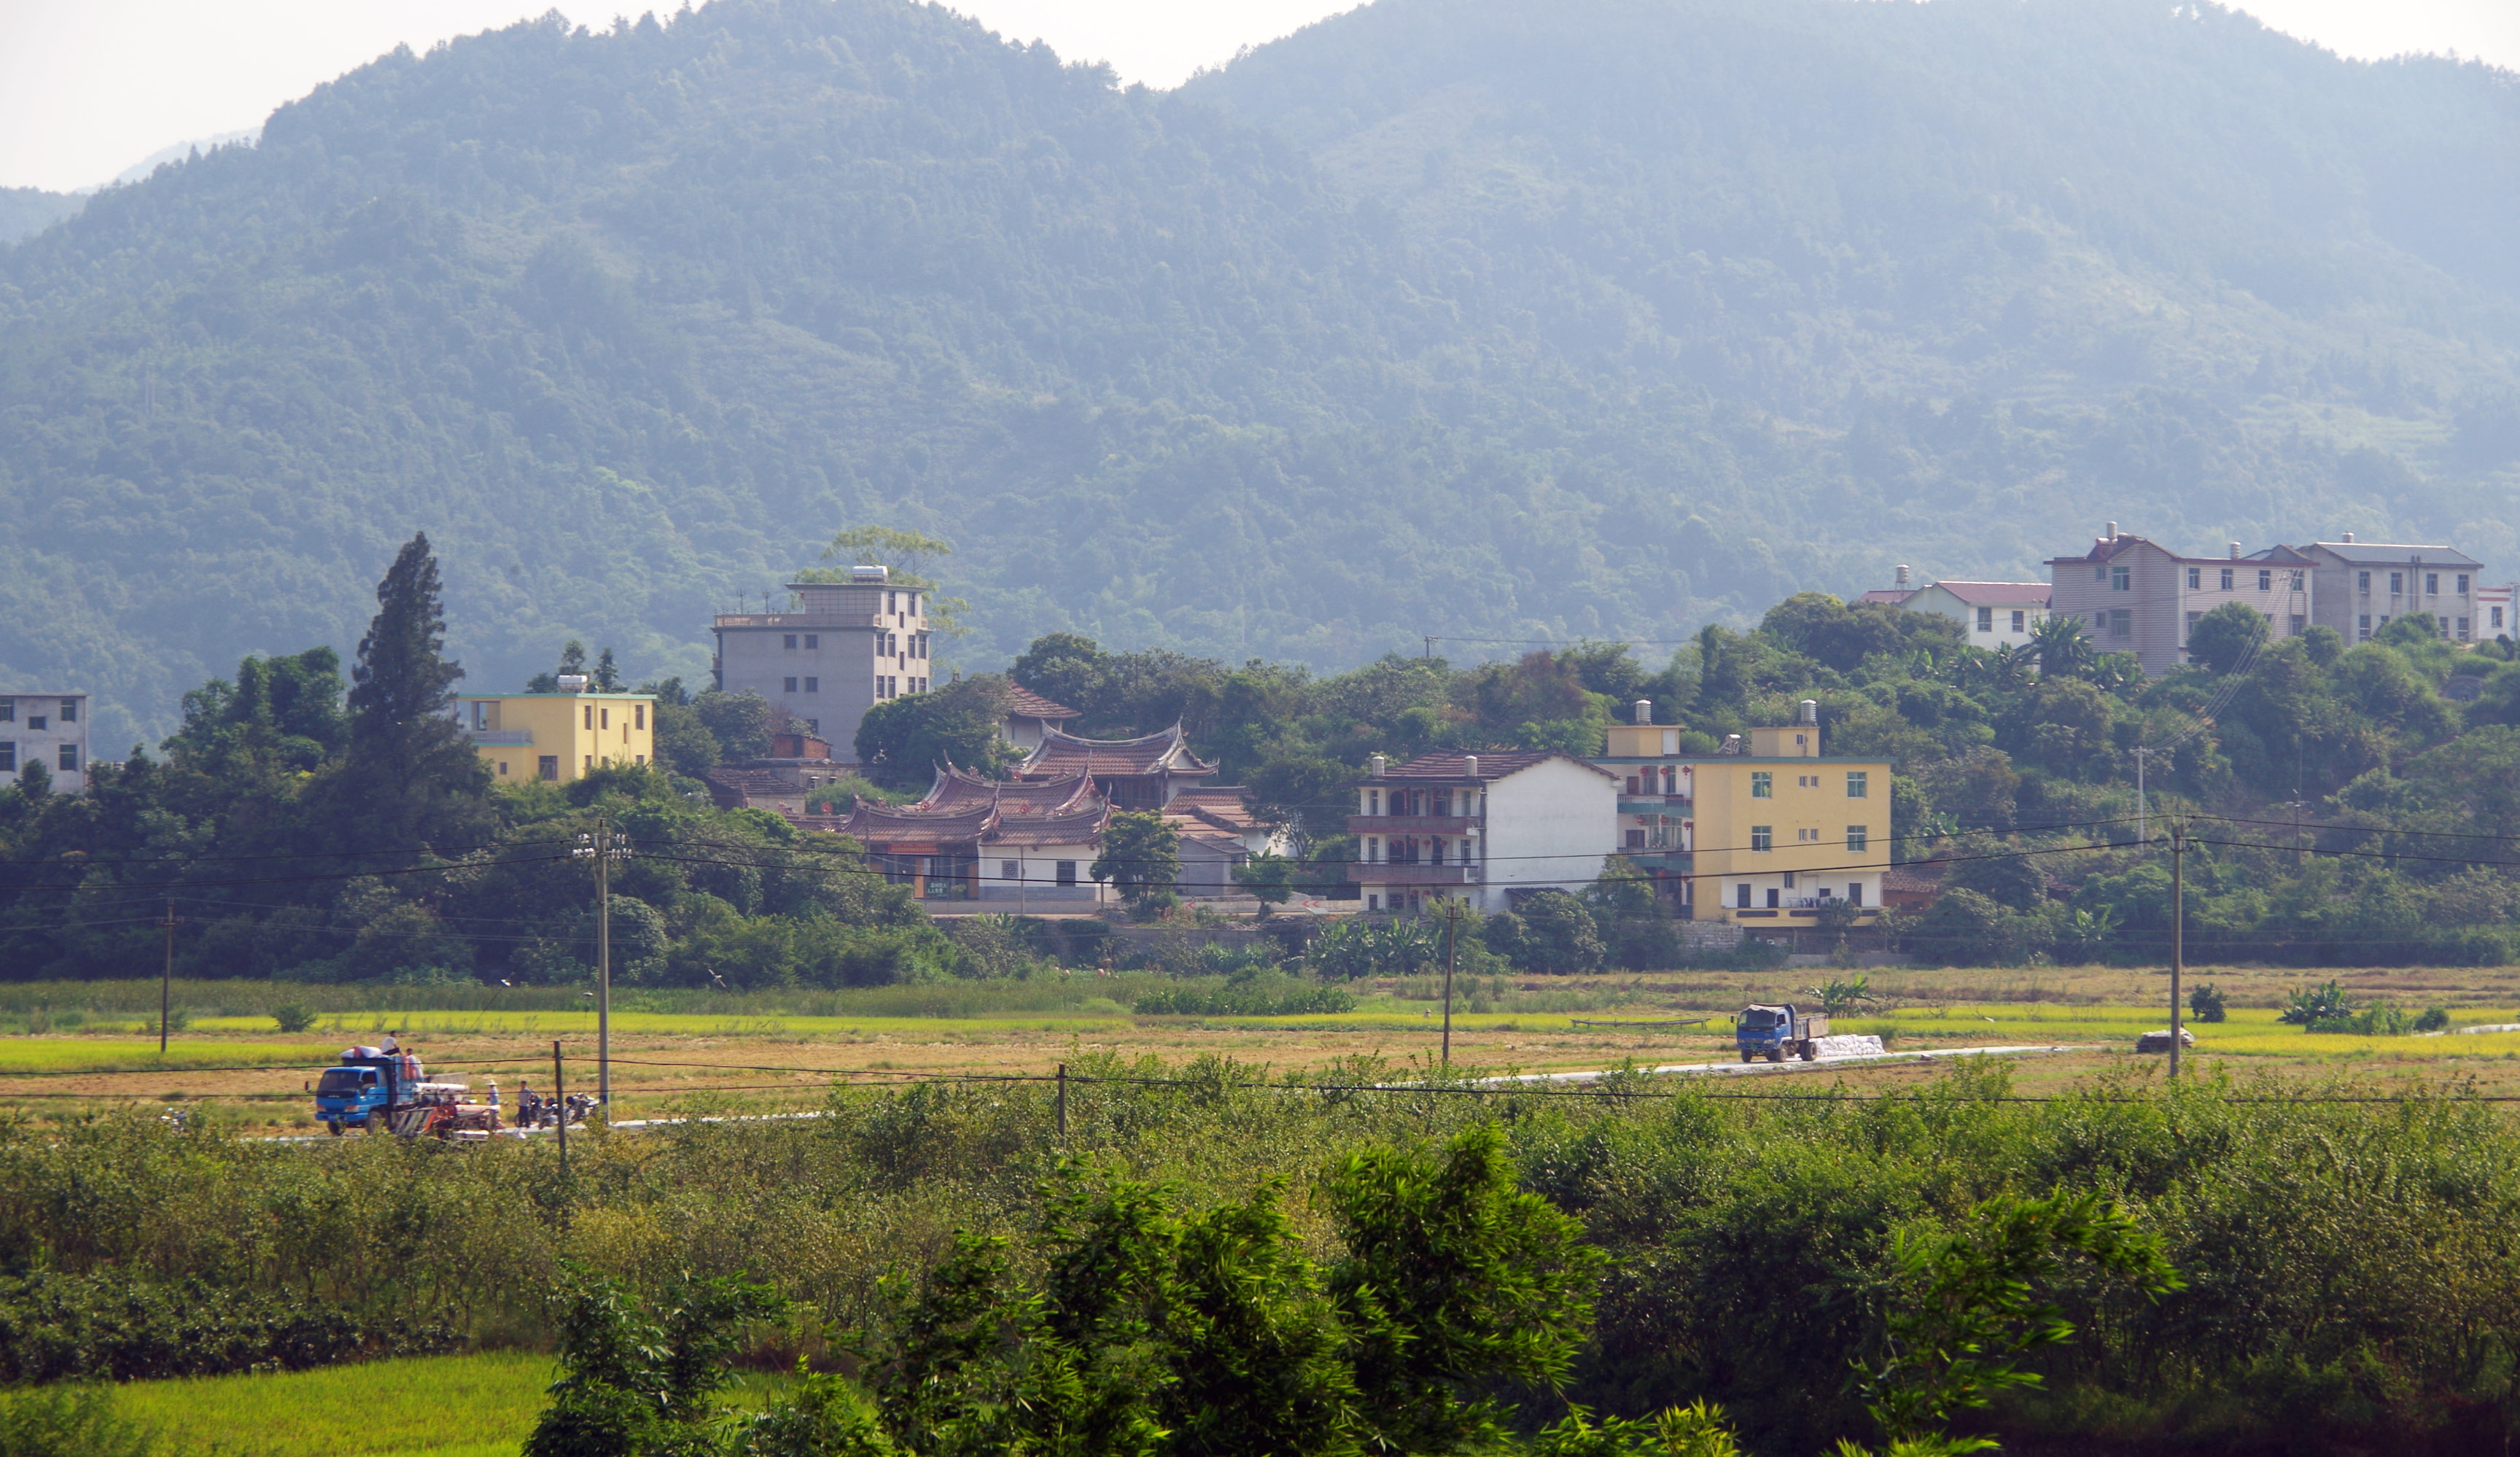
<point>1062,753</point>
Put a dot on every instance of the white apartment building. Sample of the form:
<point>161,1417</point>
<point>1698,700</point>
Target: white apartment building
<point>1480,828</point>
<point>47,729</point>
<point>1990,614</point>
<point>847,647</point>
<point>2361,585</point>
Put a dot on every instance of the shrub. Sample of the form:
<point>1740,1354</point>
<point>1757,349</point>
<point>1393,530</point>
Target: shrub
<point>2206,1002</point>
<point>294,1017</point>
<point>2307,1006</point>
<point>117,1326</point>
<point>1261,996</point>
<point>2434,1020</point>
<point>68,1422</point>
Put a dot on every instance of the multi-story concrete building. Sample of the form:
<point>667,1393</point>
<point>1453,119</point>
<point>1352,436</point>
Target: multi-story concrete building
<point>1990,614</point>
<point>1484,828</point>
<point>845,648</point>
<point>2137,597</point>
<point>2360,586</point>
<point>558,736</point>
<point>46,729</point>
<point>1760,834</point>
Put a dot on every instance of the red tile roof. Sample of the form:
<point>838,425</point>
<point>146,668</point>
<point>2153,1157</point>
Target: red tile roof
<point>1023,703</point>
<point>1063,753</point>
<point>958,789</point>
<point>1891,595</point>
<point>1227,807</point>
<point>1080,826</point>
<point>1494,764</point>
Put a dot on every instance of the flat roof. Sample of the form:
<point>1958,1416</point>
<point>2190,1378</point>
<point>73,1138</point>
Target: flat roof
<point>590,694</point>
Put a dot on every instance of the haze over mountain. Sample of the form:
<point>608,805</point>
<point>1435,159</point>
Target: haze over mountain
<point>1443,316</point>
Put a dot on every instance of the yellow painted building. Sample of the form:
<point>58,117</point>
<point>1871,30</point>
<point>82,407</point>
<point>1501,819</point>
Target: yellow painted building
<point>558,736</point>
<point>1758,836</point>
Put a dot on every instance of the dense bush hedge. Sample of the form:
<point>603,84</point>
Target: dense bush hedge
<point>108,1325</point>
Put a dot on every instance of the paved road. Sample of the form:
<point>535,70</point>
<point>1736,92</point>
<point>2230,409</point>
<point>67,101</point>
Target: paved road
<point>1772,1069</point>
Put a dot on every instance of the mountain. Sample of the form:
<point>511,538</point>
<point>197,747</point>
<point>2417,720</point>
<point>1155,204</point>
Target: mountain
<point>1452,317</point>
<point>27,211</point>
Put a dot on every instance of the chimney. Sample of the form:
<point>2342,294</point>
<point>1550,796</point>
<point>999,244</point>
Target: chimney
<point>2235,551</point>
<point>1810,712</point>
<point>2113,532</point>
<point>1379,763</point>
<point>572,682</point>
<point>2349,538</point>
<point>1469,766</point>
<point>1902,573</point>
<point>1643,711</point>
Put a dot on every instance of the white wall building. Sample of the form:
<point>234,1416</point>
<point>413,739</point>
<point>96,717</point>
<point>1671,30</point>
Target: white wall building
<point>1990,614</point>
<point>49,729</point>
<point>847,647</point>
<point>1481,828</point>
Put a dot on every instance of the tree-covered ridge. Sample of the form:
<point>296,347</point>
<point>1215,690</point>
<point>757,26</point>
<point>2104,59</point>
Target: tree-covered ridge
<point>1445,316</point>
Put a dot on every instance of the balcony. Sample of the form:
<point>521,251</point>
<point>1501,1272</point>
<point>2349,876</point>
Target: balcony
<point>501,738</point>
<point>1681,804</point>
<point>1449,825</point>
<point>806,621</point>
<point>1386,874</point>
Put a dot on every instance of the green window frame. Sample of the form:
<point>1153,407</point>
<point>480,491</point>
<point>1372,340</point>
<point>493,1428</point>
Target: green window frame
<point>1763,785</point>
<point>1858,784</point>
<point>1858,838</point>
<point>1763,839</point>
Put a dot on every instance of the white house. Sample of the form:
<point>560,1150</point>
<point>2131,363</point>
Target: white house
<point>1483,828</point>
<point>49,729</point>
<point>1990,614</point>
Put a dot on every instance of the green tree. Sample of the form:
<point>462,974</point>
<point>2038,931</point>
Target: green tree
<point>410,773</point>
<point>2063,650</point>
<point>642,1383</point>
<point>2227,637</point>
<point>1140,855</point>
<point>1271,880</point>
<point>907,554</point>
<point>904,741</point>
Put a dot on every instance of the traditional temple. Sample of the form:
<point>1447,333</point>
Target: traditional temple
<point>1142,773</point>
<point>974,838</point>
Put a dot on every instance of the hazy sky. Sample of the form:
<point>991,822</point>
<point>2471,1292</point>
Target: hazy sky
<point>89,87</point>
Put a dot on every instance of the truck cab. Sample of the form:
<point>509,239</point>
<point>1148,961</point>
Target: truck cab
<point>1776,1033</point>
<point>361,1089</point>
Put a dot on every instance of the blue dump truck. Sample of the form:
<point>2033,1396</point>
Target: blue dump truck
<point>1776,1032</point>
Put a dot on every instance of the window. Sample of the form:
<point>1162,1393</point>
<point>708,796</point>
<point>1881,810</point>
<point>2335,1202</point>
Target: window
<point>1741,897</point>
<point>2099,573</point>
<point>590,716</point>
<point>1855,893</point>
<point>1858,784</point>
<point>813,641</point>
<point>8,711</point>
<point>2462,629</point>
<point>813,685</point>
<point>2193,619</point>
<point>639,758</point>
<point>2363,626</point>
<point>590,764</point>
<point>2461,588</point>
<point>2121,623</point>
<point>1010,870</point>
<point>69,709</point>
<point>1789,881</point>
<point>2432,584</point>
<point>38,721</point>
<point>2296,581</point>
<point>893,602</point>
<point>1373,802</point>
<point>2195,577</point>
<point>1858,838</point>
<point>1635,840</point>
<point>2498,616</point>
<point>1772,899</point>
<point>2020,617</point>
<point>548,767</point>
<point>1763,785</point>
<point>1985,619</point>
<point>786,685</point>
<point>789,642</point>
<point>608,719</point>
<point>7,756</point>
<point>639,715</point>
<point>2396,583</point>
<point>1806,837</point>
<point>2362,582</point>
<point>1763,839</point>
<point>914,604</point>
<point>2121,579</point>
<point>1632,784</point>
<point>2300,624</point>
<point>2266,581</point>
<point>1373,850</point>
<point>1374,902</point>
<point>502,768</point>
<point>1067,872</point>
<point>2227,579</point>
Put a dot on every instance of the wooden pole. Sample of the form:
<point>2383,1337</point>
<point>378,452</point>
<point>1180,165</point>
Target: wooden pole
<point>1451,944</point>
<point>166,980</point>
<point>604,961</point>
<point>2178,931</point>
<point>1063,1102</point>
<point>559,1103</point>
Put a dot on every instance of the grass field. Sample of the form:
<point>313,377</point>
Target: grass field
<point>480,1405</point>
<point>677,1053</point>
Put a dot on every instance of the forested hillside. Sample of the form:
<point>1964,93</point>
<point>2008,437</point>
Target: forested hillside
<point>1445,316</point>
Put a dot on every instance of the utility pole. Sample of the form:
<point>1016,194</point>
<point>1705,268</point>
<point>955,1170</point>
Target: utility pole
<point>1062,1104</point>
<point>2140,837</point>
<point>604,848</point>
<point>2178,931</point>
<point>1451,945</point>
<point>166,980</point>
<point>560,1103</point>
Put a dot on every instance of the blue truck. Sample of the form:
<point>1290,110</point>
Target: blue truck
<point>1777,1032</point>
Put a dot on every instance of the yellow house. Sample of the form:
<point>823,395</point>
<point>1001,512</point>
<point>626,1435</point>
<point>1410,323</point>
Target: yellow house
<point>1760,834</point>
<point>558,735</point>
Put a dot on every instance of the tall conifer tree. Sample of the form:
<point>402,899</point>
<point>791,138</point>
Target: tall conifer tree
<point>409,767</point>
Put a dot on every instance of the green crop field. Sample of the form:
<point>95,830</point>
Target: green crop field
<point>480,1405</point>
